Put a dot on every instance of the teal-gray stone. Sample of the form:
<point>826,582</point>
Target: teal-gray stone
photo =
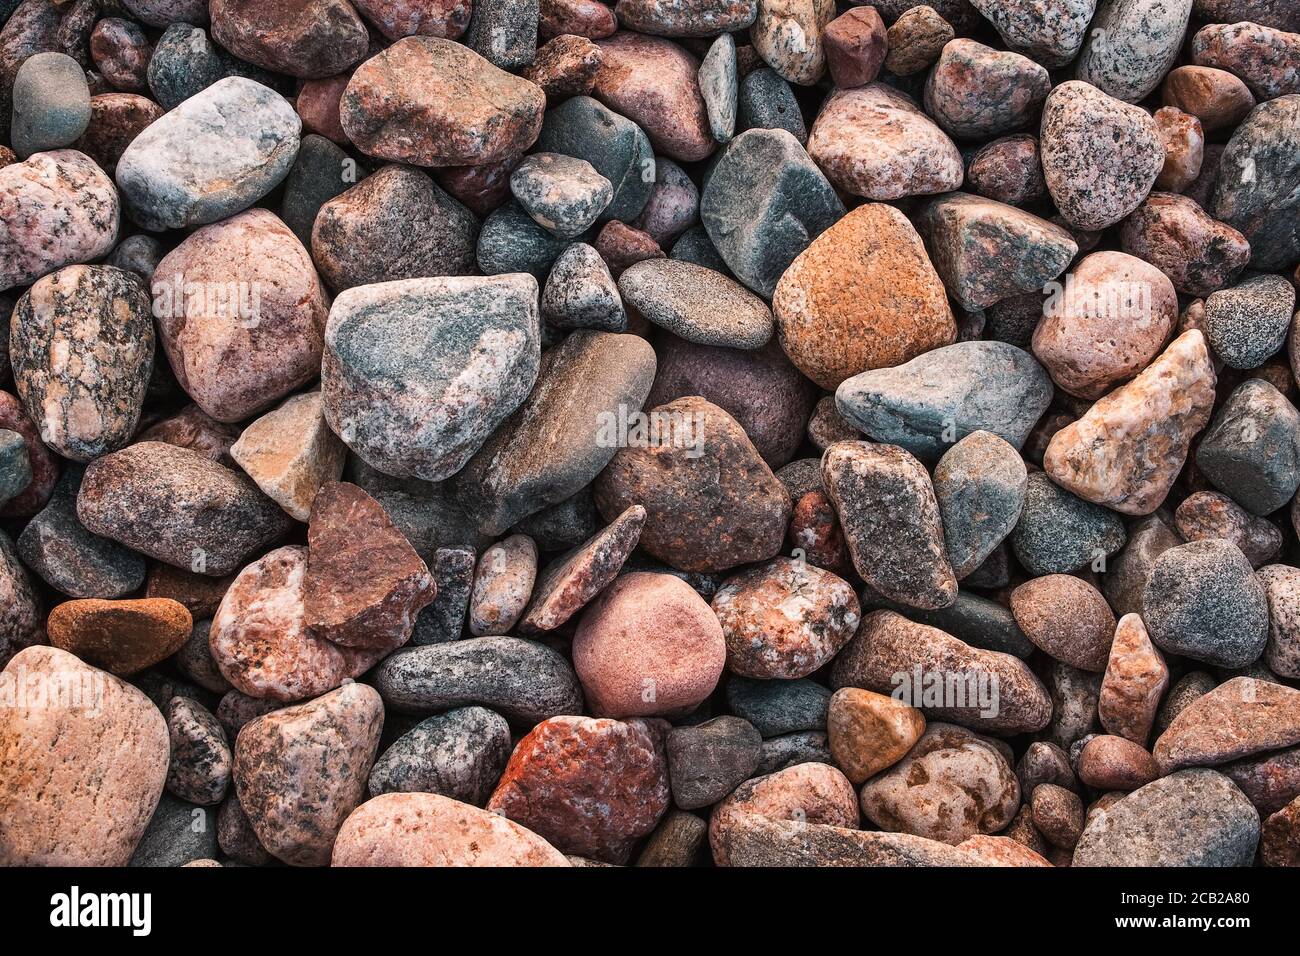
<point>57,546</point>
<point>581,294</point>
<point>321,171</point>
<point>766,101</point>
<point>185,62</point>
<point>694,245</point>
<point>1251,451</point>
<point>510,241</point>
<point>214,155</point>
<point>978,621</point>
<point>562,194</point>
<point>563,525</point>
<point>460,754</point>
<point>504,32</point>
<point>1203,600</point>
<point>764,202</point>
<point>943,395</point>
<point>779,707</point>
<point>789,750</point>
<point>720,86</point>
<point>1058,533</point>
<point>1189,818</point>
<point>1258,187</point>
<point>980,486</point>
<point>178,833</point>
<point>697,304</point>
<point>51,104</point>
<point>15,465</point>
<point>444,619</point>
<point>1131,44</point>
<point>139,254</point>
<point>1248,323</point>
<point>615,146</point>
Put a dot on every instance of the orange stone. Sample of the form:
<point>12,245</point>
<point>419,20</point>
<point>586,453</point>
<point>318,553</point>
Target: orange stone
<point>122,637</point>
<point>869,732</point>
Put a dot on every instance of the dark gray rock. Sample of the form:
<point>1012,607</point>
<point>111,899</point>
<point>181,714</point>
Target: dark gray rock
<point>694,245</point>
<point>185,62</point>
<point>321,171</point>
<point>201,758</point>
<point>764,202</point>
<point>706,762</point>
<point>139,254</point>
<point>510,241</point>
<point>1075,695</point>
<point>524,681</point>
<point>178,833</point>
<point>563,525</point>
<point>444,619</point>
<point>779,707</point>
<point>697,304</point>
<point>1251,451</point>
<point>1248,323</point>
<point>1190,818</point>
<point>980,486</point>
<point>581,294</point>
<point>765,100</point>
<point>459,754</point>
<point>194,660</point>
<point>504,32</point>
<point>615,146</point>
<point>51,104</point>
<point>805,746</point>
<point>1204,601</point>
<point>1058,532</point>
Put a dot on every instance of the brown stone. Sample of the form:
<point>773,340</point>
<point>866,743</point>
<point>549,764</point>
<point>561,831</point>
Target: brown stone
<point>304,38</point>
<point>318,105</point>
<point>82,765</point>
<point>1267,59</point>
<point>115,120</point>
<point>1279,837</point>
<point>300,771</point>
<point>788,35</point>
<point>290,453</point>
<point>1215,97</point>
<point>855,47</point>
<point>1241,717</point>
<point>1135,681</point>
<point>565,66</point>
<point>1200,255</point>
<point>121,54</point>
<point>585,18</point>
<point>1270,781</point>
<point>813,793</point>
<point>916,39</point>
<point>621,246</point>
<point>194,429</point>
<point>863,296</point>
<point>1116,763</point>
<point>1008,171</point>
<point>1184,143</point>
<point>201,595</point>
<point>1000,851</point>
<point>122,637</point>
<point>1209,514</point>
<point>1066,618</point>
<point>869,732</point>
<point>403,18</point>
<point>503,583</point>
<point>675,842</point>
<point>1128,448</point>
<point>826,425</point>
<point>815,531</point>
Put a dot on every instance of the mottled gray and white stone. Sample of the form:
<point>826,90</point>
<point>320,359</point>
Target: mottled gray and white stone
<point>1251,451</point>
<point>1050,31</point>
<point>563,194</point>
<point>1247,323</point>
<point>581,294</point>
<point>720,86</point>
<point>697,304</point>
<point>1131,44</point>
<point>615,146</point>
<point>980,486</point>
<point>459,754</point>
<point>1258,187</point>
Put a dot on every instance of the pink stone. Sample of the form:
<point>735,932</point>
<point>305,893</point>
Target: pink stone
<point>788,35</point>
<point>1135,681</point>
<point>503,583</point>
<point>121,53</point>
<point>1184,143</point>
<point>855,46</point>
<point>403,18</point>
<point>813,793</point>
<point>318,105</point>
<point>585,18</point>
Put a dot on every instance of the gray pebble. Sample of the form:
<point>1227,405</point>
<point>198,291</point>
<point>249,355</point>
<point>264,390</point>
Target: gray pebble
<point>697,304</point>
<point>1058,532</point>
<point>1131,44</point>
<point>766,101</point>
<point>185,62</point>
<point>510,241</point>
<point>15,464</point>
<point>581,294</point>
<point>459,754</point>
<point>51,104</point>
<point>719,85</point>
<point>778,707</point>
<point>178,833</point>
<point>194,660</point>
<point>1251,451</point>
<point>563,194</point>
<point>706,762</point>
<point>139,254</point>
<point>321,171</point>
<point>1248,323</point>
<point>694,245</point>
<point>805,746</point>
<point>980,486</point>
<point>615,146</point>
<point>504,32</point>
<point>444,619</point>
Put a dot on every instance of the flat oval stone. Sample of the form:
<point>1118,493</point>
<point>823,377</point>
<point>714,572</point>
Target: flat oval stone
<point>259,638</point>
<point>1239,718</point>
<point>589,786</point>
<point>1191,818</point>
<point>711,502</point>
<point>304,38</point>
<point>459,754</point>
<point>946,394</point>
<point>51,104</point>
<point>462,110</point>
<point>862,296</point>
<point>873,141</point>
<point>59,208</point>
<point>410,228</point>
<point>1066,618</point>
<point>122,637</point>
<point>869,732</point>
<point>1199,254</point>
<point>1203,601</point>
<point>83,773</point>
<point>784,619</point>
<point>888,644</point>
<point>212,156</point>
<point>426,829</point>
<point>1113,764</point>
<point>979,485</point>
<point>1130,446</point>
<point>177,506</point>
<point>649,645</point>
<point>696,304</point>
<point>81,344</point>
<point>300,771</point>
<point>503,584</point>
<point>1100,155</point>
<point>1131,44</point>
<point>975,92</point>
<point>524,681</point>
<point>788,35</point>
<point>418,373</point>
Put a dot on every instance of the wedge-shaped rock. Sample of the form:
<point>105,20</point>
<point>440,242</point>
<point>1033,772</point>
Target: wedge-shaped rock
<point>1239,718</point>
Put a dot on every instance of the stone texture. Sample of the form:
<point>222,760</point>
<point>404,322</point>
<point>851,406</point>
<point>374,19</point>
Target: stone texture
<point>1262,56</point>
<point>1066,618</point>
<point>564,195</point>
<point>1217,98</point>
<point>696,304</point>
<point>290,453</point>
<point>1282,587</point>
<point>1248,323</point>
<point>1251,451</point>
<point>122,637</point>
<point>304,38</point>
<point>1208,514</point>
<point>1136,679</point>
<point>975,92</point>
<point>707,761</point>
<point>51,104</point>
<point>1111,763</point>
<point>459,754</point>
<point>869,732</point>
<point>1131,45</point>
<point>1199,254</point>
<point>1239,718</point>
<point>503,584</point>
<point>788,36</point>
<point>855,47</point>
<point>403,18</point>
<point>201,760</point>
<point>979,485</point>
<point>565,66</point>
<point>615,146</point>
<point>812,793</point>
<point>916,39</point>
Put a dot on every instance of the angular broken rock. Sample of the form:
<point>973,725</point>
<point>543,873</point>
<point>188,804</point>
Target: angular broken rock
<point>891,522</point>
<point>290,453</point>
<point>259,637</point>
<point>417,373</point>
<point>979,485</point>
<point>178,506</point>
<point>364,583</point>
<point>975,91</point>
<point>1239,718</point>
<point>300,771</point>
<point>1130,446</point>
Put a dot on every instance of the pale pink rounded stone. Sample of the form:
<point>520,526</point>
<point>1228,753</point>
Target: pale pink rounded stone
<point>788,35</point>
<point>427,829</point>
<point>649,645</point>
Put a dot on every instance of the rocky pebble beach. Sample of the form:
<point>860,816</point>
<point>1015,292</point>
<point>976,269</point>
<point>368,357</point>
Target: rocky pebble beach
<point>555,433</point>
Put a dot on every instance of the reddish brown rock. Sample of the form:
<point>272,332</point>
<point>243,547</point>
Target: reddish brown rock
<point>952,785</point>
<point>83,766</point>
<point>1066,618</point>
<point>916,39</point>
<point>403,18</point>
<point>1209,514</point>
<point>648,645</point>
<point>1057,814</point>
<point>304,38</point>
<point>462,111</point>
<point>863,296</point>
<point>1135,681</point>
<point>194,429</point>
<point>259,636</point>
<point>1279,837</point>
<point>201,595</point>
<point>621,246</point>
<point>808,793</point>
<point>826,425</point>
<point>873,141</point>
<point>1008,170</point>
<point>711,502</point>
<point>427,829</point>
<point>1128,448</point>
<point>480,189</point>
<point>300,771</point>
<point>115,120</point>
<point>585,18</point>
<point>566,586</point>
<point>686,18</point>
<point>975,91</point>
<point>588,786</point>
<point>1199,254</point>
<point>888,644</point>
<point>815,531</point>
<point>1184,143</point>
<point>318,105</point>
<point>869,732</point>
<point>855,47</point>
<point>1267,59</point>
<point>1000,851</point>
<point>565,66</point>
<point>1241,717</point>
<point>1270,781</point>
<point>21,615</point>
<point>122,637</point>
<point>1116,763</point>
<point>1215,97</point>
<point>503,583</point>
<point>121,53</point>
<point>241,313</point>
<point>785,619</point>
<point>364,583</point>
<point>1112,297</point>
